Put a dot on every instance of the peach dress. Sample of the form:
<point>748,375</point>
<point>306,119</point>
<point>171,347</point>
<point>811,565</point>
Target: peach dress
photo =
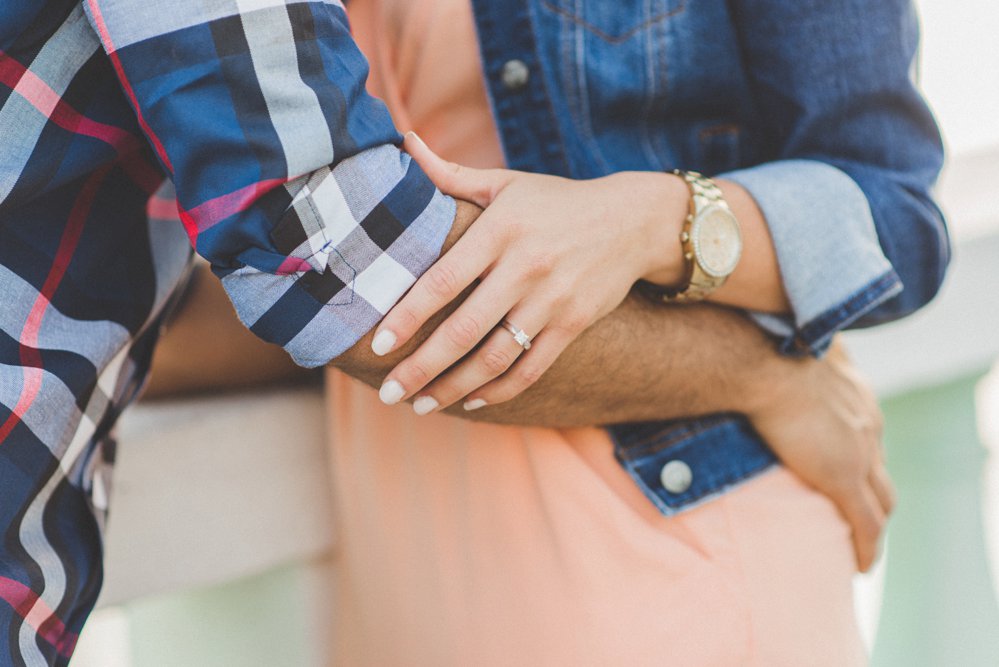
<point>464,544</point>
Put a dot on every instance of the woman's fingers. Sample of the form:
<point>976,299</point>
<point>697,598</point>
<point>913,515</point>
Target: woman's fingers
<point>479,186</point>
<point>454,338</point>
<point>440,285</point>
<point>493,358</point>
<point>527,370</point>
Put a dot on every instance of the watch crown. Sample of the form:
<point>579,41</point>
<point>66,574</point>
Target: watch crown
<point>689,256</point>
<point>684,237</point>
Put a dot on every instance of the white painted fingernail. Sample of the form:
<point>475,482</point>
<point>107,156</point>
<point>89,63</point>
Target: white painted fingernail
<point>424,405</point>
<point>391,392</point>
<point>383,342</point>
<point>413,135</point>
<point>474,404</point>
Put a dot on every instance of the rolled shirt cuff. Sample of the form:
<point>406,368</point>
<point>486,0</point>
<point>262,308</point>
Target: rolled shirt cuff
<point>359,237</point>
<point>831,261</point>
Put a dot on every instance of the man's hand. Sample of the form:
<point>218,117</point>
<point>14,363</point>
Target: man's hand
<point>635,364</point>
<point>824,423</point>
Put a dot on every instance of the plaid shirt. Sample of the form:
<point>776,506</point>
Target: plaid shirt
<point>282,172</point>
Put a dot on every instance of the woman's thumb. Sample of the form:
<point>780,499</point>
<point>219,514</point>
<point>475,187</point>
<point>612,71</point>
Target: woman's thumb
<point>478,186</point>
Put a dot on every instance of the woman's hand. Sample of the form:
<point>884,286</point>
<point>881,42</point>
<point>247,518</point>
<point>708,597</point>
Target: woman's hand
<point>553,256</point>
<point>825,425</point>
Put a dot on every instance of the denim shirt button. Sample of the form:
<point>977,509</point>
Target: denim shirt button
<point>676,477</point>
<point>515,74</point>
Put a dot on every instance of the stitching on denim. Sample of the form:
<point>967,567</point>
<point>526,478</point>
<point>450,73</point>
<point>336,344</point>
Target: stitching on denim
<point>585,110</point>
<point>619,39</point>
<point>824,326</point>
<point>576,90</point>
<point>725,128</point>
<point>661,144</point>
<point>660,441</point>
<point>569,71</point>
<point>651,69</point>
<point>706,134</point>
<point>501,103</point>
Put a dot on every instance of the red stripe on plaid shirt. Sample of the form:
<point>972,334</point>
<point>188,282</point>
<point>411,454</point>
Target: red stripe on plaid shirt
<point>37,614</point>
<point>40,95</point>
<point>30,356</point>
<point>102,30</point>
<point>206,215</point>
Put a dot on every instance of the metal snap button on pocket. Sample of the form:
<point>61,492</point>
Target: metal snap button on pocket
<point>515,74</point>
<point>676,476</point>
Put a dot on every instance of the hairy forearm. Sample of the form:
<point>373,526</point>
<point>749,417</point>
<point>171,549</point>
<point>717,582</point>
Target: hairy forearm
<point>648,362</point>
<point>644,361</point>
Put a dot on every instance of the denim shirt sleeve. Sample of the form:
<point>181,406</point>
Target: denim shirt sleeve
<point>832,265</point>
<point>853,154</point>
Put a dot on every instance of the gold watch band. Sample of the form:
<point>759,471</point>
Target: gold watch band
<point>697,284</point>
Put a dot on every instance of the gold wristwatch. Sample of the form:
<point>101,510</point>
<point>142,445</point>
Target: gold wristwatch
<point>710,239</point>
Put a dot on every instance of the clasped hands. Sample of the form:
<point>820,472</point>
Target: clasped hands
<point>551,256</point>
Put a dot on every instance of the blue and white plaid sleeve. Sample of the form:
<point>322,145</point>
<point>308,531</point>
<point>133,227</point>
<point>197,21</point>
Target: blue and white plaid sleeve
<point>287,173</point>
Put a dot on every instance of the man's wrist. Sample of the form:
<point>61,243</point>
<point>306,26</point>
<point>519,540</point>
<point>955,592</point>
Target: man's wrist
<point>465,214</point>
<point>779,383</point>
<point>360,362</point>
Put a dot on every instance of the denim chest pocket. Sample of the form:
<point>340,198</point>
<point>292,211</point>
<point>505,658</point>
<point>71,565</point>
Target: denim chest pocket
<point>615,21</point>
<point>716,147</point>
<point>648,84</point>
<point>611,60</point>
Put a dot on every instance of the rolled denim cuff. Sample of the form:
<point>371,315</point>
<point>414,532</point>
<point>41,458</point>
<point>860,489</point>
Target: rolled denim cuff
<point>831,262</point>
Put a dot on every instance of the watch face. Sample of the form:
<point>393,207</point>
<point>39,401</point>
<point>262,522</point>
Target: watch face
<point>717,241</point>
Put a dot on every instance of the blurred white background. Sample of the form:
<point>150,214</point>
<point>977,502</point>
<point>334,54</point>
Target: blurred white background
<point>959,70</point>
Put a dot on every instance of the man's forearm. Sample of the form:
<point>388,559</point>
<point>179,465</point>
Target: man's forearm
<point>644,361</point>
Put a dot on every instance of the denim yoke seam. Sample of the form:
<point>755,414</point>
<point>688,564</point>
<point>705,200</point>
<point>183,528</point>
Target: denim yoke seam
<point>615,39</point>
<point>574,77</point>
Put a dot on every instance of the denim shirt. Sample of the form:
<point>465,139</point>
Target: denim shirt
<point>808,104</point>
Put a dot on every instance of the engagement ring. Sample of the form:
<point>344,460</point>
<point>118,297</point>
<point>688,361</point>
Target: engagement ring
<point>519,334</point>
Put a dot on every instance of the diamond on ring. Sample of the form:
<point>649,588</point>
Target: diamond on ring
<point>519,334</point>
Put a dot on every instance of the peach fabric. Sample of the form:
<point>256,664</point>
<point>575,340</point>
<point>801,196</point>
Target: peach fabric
<point>473,544</point>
